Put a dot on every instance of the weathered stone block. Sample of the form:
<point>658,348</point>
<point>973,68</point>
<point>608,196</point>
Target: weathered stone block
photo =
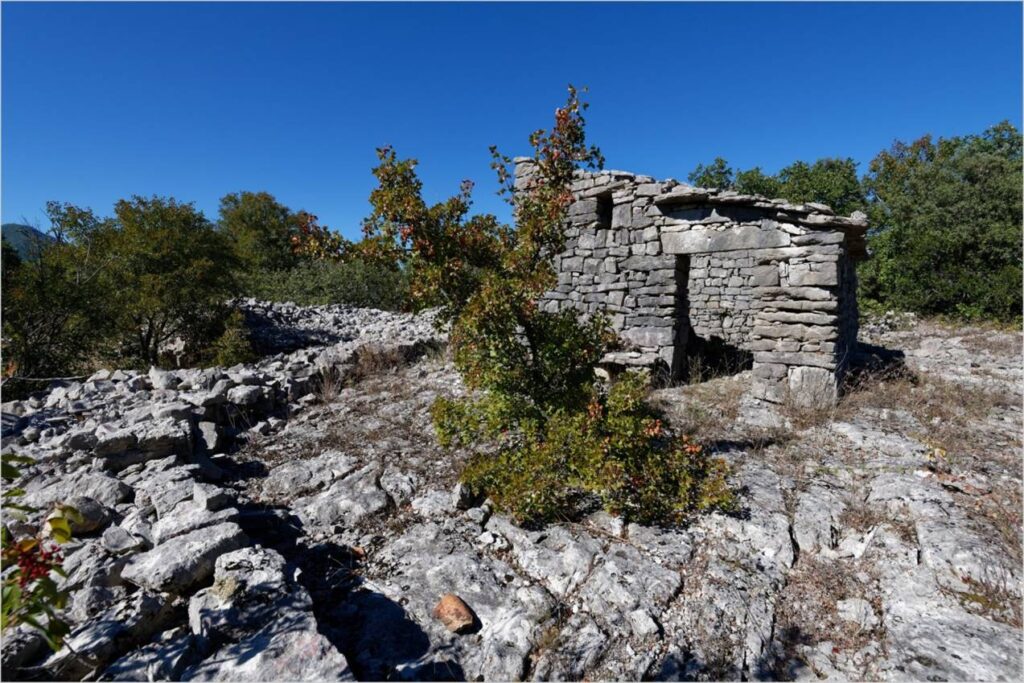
<point>770,370</point>
<point>805,332</point>
<point>583,207</point>
<point>768,389</point>
<point>823,274</point>
<point>648,336</point>
<point>818,237</point>
<point>817,360</point>
<point>645,262</point>
<point>809,318</point>
<point>622,216</point>
<point>810,386</point>
<point>764,276</point>
<point>703,241</point>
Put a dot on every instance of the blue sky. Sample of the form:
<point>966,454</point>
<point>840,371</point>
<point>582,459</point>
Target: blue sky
<point>196,100</point>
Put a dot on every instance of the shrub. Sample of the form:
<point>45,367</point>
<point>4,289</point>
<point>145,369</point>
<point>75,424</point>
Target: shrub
<point>233,346</point>
<point>617,450</point>
<point>946,226</point>
<point>30,594</point>
<point>356,282</point>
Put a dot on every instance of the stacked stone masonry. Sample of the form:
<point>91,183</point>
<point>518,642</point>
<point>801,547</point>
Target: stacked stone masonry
<point>670,264</point>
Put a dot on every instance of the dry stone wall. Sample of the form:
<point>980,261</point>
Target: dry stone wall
<point>670,264</point>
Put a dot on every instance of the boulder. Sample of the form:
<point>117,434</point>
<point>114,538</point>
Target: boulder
<point>162,660</point>
<point>261,620</point>
<point>189,516</point>
<point>245,395</point>
<point>115,443</point>
<point>161,379</point>
<point>91,515</point>
<point>184,561</point>
<point>129,623</point>
<point>210,497</point>
<point>118,540</point>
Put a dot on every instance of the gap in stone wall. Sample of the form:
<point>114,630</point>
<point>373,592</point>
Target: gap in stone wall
<point>682,322</point>
<point>604,211</point>
<point>714,357</point>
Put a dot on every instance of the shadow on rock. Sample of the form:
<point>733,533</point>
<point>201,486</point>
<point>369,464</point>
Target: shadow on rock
<point>376,634</point>
<point>871,362</point>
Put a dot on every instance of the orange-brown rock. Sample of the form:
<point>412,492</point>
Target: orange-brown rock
<point>454,613</point>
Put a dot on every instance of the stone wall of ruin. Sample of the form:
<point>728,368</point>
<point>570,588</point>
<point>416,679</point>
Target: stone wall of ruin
<point>764,276</point>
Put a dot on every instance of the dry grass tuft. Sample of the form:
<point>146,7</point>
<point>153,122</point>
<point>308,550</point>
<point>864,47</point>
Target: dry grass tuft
<point>329,384</point>
<point>996,343</point>
<point>808,605</point>
<point>374,360</point>
<point>862,518</point>
<point>993,598</point>
<point>949,411</point>
<point>804,413</point>
<point>709,410</point>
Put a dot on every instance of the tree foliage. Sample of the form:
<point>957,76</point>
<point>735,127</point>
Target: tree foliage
<point>171,274</point>
<point>946,222</point>
<point>261,230</point>
<point>55,307</point>
<point>233,346</point>
<point>718,174</point>
<point>313,241</point>
<point>826,181</point>
<point>116,289</point>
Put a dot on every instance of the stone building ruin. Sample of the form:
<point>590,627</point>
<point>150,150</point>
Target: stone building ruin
<point>687,272</point>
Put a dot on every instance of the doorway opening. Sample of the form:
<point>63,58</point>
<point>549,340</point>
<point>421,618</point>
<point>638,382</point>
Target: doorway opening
<point>696,357</point>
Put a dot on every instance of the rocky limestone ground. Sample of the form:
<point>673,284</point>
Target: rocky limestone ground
<point>295,519</point>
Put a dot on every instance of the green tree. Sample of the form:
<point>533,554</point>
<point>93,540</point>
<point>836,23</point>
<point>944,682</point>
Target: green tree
<point>171,274</point>
<point>946,225</point>
<point>233,346</point>
<point>826,181</point>
<point>716,175</point>
<point>55,306</point>
<point>754,181</point>
<point>261,229</point>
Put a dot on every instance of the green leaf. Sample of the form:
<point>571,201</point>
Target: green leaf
<point>60,530</point>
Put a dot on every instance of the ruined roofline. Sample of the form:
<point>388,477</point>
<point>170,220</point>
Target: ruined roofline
<point>671,192</point>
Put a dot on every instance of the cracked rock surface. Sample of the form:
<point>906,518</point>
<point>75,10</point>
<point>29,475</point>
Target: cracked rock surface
<point>877,540</point>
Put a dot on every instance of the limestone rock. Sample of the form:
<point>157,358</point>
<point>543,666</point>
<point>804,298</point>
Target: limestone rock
<point>265,619</point>
<point>183,561</point>
<point>91,515</point>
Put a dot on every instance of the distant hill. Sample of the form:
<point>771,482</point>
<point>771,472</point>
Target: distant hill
<point>23,238</point>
